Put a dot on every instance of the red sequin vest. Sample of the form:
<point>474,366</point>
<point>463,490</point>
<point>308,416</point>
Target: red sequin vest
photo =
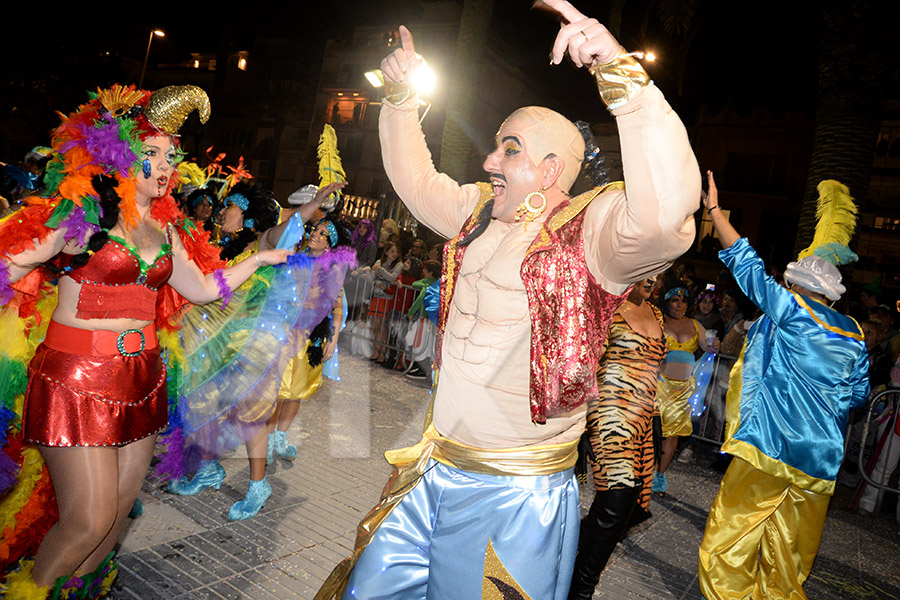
<point>570,312</point>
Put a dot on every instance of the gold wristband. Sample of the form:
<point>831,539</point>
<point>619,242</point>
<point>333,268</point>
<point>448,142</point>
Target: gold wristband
<point>397,93</point>
<point>620,79</point>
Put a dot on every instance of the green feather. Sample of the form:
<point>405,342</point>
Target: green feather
<point>53,175</point>
<point>91,210</point>
<point>62,211</point>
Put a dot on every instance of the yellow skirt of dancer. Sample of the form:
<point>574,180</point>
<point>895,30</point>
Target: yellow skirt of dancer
<point>300,381</point>
<point>674,409</point>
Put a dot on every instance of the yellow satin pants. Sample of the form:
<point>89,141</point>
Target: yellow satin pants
<point>761,537</point>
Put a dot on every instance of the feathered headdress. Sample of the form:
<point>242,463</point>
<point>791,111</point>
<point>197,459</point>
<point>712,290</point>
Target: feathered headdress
<point>816,267</point>
<point>330,168</point>
<point>191,176</point>
<point>835,224</point>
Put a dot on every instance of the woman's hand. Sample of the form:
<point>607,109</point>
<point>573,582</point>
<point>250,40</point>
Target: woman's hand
<point>711,198</point>
<point>585,40</point>
<point>399,64</point>
<point>329,348</point>
<point>271,257</point>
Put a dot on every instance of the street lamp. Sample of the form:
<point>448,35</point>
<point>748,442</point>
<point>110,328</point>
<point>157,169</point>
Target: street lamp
<point>423,80</point>
<point>157,33</point>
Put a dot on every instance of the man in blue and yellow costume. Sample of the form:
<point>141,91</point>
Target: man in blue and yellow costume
<point>486,505</point>
<point>802,368</point>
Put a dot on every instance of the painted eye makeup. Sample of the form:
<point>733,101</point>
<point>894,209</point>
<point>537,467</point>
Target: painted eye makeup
<point>511,148</point>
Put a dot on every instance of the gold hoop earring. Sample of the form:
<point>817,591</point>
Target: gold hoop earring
<point>528,210</point>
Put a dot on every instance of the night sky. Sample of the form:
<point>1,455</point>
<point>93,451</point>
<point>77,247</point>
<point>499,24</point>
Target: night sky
<point>737,43</point>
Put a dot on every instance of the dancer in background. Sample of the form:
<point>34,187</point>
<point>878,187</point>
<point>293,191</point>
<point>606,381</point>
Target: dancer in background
<point>304,375</point>
<point>684,336</point>
<point>802,367</point>
<point>620,428</point>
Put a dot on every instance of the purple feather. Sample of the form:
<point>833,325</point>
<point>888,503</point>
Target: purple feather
<point>76,228</point>
<point>171,461</point>
<point>6,292</point>
<point>103,142</point>
<point>341,256</point>
<point>9,471</point>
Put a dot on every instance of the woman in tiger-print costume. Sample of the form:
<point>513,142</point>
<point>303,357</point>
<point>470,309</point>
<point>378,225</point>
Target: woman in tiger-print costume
<point>620,428</point>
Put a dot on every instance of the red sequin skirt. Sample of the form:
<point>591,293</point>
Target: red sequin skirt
<point>84,400</point>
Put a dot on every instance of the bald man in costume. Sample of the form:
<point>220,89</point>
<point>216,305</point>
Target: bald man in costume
<point>487,500</point>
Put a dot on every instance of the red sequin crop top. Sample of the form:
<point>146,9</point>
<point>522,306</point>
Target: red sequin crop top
<point>116,283</point>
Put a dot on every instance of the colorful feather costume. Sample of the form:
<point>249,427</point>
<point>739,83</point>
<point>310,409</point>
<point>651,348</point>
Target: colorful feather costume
<point>102,138</point>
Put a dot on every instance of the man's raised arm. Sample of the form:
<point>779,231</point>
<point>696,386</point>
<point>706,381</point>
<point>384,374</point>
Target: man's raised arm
<point>433,198</point>
<point>639,232</point>
<point>633,234</point>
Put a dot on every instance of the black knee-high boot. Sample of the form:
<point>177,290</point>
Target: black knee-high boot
<point>601,530</point>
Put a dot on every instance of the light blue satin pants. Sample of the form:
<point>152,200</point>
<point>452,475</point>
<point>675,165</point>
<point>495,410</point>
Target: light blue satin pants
<point>433,543</point>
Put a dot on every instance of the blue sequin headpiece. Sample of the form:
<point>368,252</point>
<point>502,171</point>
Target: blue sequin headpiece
<point>200,199</point>
<point>239,199</point>
<point>679,291</point>
<point>332,232</point>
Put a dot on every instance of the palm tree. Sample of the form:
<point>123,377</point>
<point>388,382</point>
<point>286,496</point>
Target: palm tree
<point>857,52</point>
<point>470,46</point>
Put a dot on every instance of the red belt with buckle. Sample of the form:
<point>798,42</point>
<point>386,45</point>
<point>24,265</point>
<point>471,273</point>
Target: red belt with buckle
<point>101,342</point>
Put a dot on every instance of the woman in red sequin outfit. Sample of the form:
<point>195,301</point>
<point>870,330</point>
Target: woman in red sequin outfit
<point>96,396</point>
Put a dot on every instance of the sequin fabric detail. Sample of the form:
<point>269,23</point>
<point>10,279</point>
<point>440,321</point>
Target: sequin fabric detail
<point>570,313</point>
<point>114,283</point>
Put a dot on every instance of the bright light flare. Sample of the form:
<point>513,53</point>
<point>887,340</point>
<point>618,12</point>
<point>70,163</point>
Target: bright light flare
<point>159,33</point>
<point>424,79</point>
<point>651,56</point>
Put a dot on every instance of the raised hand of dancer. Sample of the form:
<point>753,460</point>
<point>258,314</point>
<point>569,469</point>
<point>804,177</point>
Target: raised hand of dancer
<point>271,257</point>
<point>308,210</point>
<point>710,198</point>
<point>585,40</point>
<point>326,191</point>
<point>728,235</point>
<point>399,64</point>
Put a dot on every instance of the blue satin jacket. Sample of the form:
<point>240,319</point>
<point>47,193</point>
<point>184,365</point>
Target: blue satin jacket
<point>802,368</point>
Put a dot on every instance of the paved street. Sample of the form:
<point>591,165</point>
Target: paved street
<point>186,548</point>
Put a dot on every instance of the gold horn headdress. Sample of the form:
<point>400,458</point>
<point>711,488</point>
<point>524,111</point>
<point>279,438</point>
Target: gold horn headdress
<point>168,107</point>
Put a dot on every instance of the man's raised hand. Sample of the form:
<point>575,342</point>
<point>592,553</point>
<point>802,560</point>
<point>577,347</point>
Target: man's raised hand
<point>585,40</point>
<point>398,65</point>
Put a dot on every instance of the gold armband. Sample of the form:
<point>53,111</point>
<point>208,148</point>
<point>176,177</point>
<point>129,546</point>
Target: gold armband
<point>398,93</point>
<point>620,79</point>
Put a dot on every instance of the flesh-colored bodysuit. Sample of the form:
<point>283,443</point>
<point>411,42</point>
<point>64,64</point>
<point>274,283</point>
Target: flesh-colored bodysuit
<point>482,396</point>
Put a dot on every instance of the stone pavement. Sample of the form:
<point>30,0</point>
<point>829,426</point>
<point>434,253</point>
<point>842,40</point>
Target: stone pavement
<point>185,548</point>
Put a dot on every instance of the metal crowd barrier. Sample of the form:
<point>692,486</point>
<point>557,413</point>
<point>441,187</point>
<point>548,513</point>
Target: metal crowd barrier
<point>366,309</point>
<point>881,419</point>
